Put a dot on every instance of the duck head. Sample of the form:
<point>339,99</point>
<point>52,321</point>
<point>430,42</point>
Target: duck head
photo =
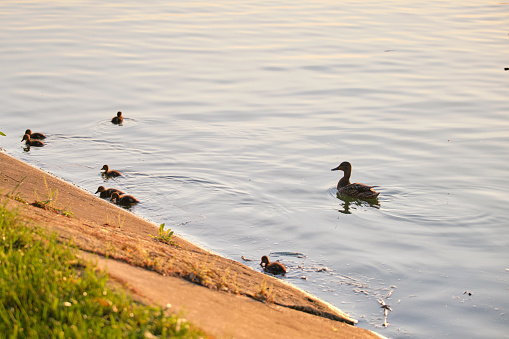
<point>114,196</point>
<point>344,166</point>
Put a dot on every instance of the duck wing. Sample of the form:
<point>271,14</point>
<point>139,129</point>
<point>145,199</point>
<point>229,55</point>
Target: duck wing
<point>361,187</point>
<point>358,190</point>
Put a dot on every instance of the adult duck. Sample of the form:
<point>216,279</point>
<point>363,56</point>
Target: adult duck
<point>125,200</point>
<point>110,173</point>
<point>35,135</point>
<point>272,267</point>
<point>355,190</point>
<point>107,192</point>
<point>118,119</point>
<point>30,142</point>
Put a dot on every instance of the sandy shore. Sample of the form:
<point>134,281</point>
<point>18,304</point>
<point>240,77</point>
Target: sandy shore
<point>223,297</point>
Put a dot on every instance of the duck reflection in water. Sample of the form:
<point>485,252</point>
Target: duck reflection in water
<point>354,203</point>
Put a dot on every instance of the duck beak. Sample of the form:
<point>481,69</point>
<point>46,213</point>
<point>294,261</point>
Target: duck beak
<point>335,169</point>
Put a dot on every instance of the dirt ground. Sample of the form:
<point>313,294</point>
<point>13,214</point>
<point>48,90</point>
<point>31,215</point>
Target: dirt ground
<point>223,297</point>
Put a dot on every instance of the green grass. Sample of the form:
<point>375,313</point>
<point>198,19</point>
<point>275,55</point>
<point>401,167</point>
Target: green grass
<point>50,203</point>
<point>16,196</point>
<point>164,236</point>
<point>46,292</point>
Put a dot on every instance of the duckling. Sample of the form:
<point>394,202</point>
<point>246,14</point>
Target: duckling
<point>29,142</point>
<point>125,200</point>
<point>110,173</point>
<point>118,119</point>
<point>272,267</point>
<point>35,135</point>
<point>106,193</point>
<point>355,190</point>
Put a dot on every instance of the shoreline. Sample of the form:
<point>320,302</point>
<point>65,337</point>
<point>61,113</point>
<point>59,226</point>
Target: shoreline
<point>223,297</point>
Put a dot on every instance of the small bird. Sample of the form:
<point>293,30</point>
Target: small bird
<point>272,267</point>
<point>110,173</point>
<point>106,192</point>
<point>355,190</point>
<point>118,119</point>
<point>125,200</point>
<point>30,142</point>
<point>35,135</point>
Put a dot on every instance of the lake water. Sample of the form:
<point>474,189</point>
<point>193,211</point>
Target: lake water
<point>236,112</point>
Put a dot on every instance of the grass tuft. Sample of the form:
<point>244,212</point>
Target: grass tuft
<point>265,293</point>
<point>50,203</point>
<point>15,195</point>
<point>120,220</point>
<point>202,274</point>
<point>164,235</point>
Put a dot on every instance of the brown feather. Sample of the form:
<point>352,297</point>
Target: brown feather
<point>272,267</point>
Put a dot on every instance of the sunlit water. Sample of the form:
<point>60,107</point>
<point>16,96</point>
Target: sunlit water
<point>236,112</point>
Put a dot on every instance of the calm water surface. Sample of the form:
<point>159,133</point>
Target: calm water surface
<point>237,111</point>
